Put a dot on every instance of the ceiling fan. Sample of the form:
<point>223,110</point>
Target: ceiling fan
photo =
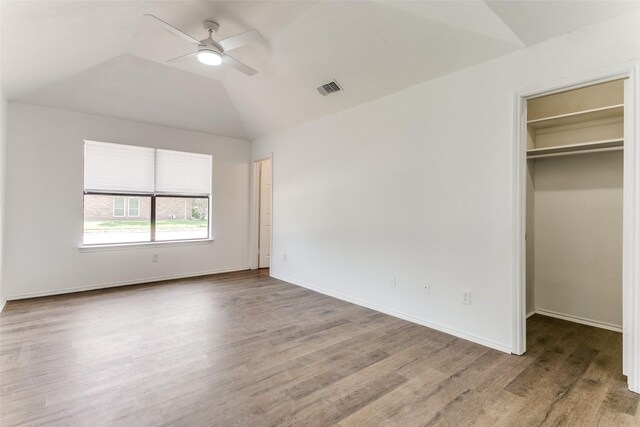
<point>209,51</point>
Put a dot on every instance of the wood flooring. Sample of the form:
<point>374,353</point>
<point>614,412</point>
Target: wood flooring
<point>244,349</point>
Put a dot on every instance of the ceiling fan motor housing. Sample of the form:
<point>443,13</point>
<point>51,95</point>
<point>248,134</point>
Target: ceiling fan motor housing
<point>210,47</point>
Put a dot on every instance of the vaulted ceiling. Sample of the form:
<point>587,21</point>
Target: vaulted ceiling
<point>104,57</point>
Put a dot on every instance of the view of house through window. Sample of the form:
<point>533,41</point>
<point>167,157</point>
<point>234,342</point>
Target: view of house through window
<point>105,220</point>
<point>170,200</point>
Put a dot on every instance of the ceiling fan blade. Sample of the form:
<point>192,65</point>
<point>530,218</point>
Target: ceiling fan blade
<point>240,40</point>
<point>230,60</point>
<point>173,29</point>
<point>182,58</point>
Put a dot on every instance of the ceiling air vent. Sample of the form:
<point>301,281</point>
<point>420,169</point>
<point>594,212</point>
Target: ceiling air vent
<point>330,87</point>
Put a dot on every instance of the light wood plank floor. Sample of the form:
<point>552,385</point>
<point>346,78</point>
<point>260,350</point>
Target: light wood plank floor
<point>243,349</point>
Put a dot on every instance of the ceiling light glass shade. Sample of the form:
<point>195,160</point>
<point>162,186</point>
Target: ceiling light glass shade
<point>209,57</point>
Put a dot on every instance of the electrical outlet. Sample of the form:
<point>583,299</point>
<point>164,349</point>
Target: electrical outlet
<point>426,288</point>
<point>155,258</point>
<point>466,297</point>
<point>392,282</point>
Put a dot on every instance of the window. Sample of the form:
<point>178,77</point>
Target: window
<point>118,206</point>
<point>102,225</point>
<point>134,207</point>
<point>172,214</point>
<point>129,204</point>
<point>141,194</point>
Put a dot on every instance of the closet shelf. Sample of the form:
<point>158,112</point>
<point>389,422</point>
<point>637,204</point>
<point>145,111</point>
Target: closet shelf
<point>587,147</point>
<point>578,117</point>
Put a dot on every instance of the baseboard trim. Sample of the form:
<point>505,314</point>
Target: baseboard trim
<point>581,320</point>
<point>122,283</point>
<point>456,333</point>
<point>531,313</point>
<point>3,302</point>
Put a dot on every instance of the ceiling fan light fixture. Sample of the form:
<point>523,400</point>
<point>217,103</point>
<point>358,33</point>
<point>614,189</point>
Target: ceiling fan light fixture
<point>209,57</point>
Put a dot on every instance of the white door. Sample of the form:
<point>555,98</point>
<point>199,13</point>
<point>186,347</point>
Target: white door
<point>264,238</point>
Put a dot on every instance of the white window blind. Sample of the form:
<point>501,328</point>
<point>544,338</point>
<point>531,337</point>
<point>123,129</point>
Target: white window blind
<point>118,168</point>
<point>178,172</point>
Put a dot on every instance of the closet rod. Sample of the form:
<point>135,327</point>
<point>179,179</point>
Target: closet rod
<point>568,153</point>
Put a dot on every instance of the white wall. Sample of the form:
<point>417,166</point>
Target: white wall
<point>43,215</point>
<point>3,146</point>
<point>578,237</point>
<point>418,185</point>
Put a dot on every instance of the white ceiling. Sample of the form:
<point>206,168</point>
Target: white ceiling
<point>536,21</point>
<point>103,57</point>
<point>133,88</point>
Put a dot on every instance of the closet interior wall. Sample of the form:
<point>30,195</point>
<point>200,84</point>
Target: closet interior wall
<point>574,204</point>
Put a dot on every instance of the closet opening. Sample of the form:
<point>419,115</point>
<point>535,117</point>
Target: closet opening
<point>576,209</point>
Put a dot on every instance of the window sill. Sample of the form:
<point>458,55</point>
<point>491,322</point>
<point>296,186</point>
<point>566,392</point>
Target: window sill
<point>142,245</point>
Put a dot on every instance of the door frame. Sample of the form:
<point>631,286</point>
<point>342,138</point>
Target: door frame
<point>631,208</point>
<point>255,211</point>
